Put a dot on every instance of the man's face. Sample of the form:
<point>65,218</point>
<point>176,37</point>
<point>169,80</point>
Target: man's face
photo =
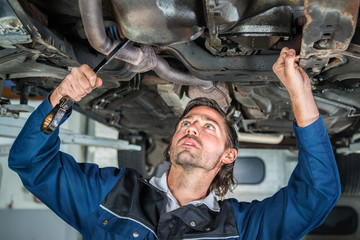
<point>199,140</point>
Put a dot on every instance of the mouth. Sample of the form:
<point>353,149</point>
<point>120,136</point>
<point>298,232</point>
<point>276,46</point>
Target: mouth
<point>189,142</point>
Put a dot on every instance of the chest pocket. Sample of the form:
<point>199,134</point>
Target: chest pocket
<point>117,227</point>
<point>190,222</point>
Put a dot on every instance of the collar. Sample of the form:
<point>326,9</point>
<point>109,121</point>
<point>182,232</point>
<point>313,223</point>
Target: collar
<point>172,204</point>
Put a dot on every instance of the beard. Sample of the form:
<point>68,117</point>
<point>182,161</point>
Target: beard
<point>189,160</point>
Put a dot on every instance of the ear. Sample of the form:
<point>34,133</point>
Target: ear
<point>229,155</point>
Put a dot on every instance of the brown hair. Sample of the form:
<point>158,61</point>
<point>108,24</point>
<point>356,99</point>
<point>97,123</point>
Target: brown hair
<point>224,180</point>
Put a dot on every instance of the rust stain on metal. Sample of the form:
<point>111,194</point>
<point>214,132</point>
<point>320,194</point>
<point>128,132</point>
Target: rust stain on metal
<point>263,5</point>
<point>291,2</point>
<point>323,39</point>
<point>345,8</point>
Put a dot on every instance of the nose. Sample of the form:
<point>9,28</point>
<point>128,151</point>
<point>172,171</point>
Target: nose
<point>192,130</point>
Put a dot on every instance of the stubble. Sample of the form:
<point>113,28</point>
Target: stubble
<point>191,159</point>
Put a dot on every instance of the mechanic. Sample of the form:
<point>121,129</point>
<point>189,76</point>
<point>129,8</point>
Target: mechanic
<point>112,203</point>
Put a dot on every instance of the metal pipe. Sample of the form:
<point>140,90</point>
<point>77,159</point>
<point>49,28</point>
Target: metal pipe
<point>260,138</point>
<point>163,70</point>
<point>92,17</point>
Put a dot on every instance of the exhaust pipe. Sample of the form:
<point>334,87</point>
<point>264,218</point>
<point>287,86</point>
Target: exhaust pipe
<point>92,18</point>
<point>139,60</point>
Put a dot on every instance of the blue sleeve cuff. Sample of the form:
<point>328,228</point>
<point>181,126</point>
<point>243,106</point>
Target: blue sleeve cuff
<point>310,132</point>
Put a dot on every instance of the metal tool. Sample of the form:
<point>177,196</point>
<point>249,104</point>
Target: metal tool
<point>53,119</point>
<point>111,56</point>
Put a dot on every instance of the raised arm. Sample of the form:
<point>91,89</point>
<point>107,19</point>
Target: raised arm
<point>297,83</point>
<point>70,189</point>
<point>314,186</point>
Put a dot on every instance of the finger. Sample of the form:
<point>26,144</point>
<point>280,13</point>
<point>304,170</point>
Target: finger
<point>304,76</point>
<point>65,89</point>
<point>99,82</point>
<point>281,59</point>
<point>278,65</point>
<point>89,74</point>
<point>78,94</point>
<point>290,65</point>
<point>74,95</point>
<point>284,50</point>
<point>76,79</point>
<point>65,85</point>
<point>84,83</point>
<point>81,82</point>
<point>290,58</point>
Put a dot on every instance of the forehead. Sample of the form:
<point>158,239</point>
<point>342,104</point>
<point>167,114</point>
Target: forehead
<point>206,113</point>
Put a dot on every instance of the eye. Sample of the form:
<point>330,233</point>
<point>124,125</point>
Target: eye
<point>210,127</point>
<point>185,124</point>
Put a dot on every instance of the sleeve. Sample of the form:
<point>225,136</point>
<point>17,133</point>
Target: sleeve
<point>70,189</point>
<point>312,192</point>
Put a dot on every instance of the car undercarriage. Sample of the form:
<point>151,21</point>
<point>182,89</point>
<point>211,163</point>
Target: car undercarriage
<point>181,50</point>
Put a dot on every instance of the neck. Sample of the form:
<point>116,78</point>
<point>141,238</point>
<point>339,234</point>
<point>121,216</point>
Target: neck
<point>188,186</point>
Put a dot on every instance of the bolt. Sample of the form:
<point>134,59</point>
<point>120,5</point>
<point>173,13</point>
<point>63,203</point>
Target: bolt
<point>237,114</point>
<point>325,44</point>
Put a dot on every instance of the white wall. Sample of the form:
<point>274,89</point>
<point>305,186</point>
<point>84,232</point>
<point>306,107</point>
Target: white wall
<point>11,188</point>
<point>104,157</point>
<point>20,215</point>
<point>279,165</point>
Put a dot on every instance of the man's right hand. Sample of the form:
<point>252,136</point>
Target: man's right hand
<point>80,82</point>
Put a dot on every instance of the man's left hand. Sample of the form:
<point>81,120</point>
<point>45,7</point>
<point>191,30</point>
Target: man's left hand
<point>298,85</point>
